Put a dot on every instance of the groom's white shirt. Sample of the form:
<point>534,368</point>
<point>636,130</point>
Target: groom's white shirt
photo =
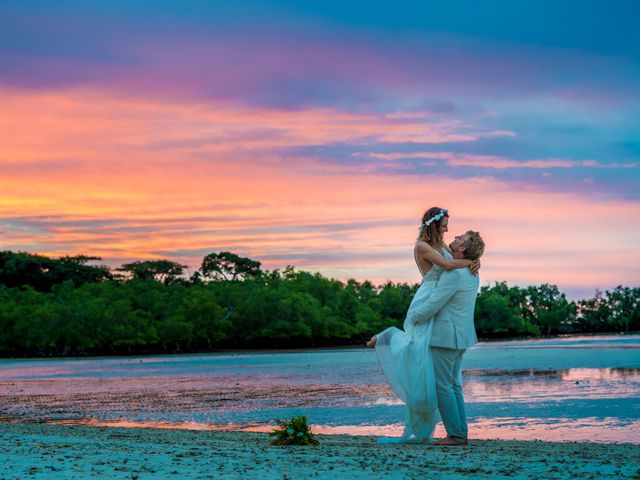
<point>451,305</point>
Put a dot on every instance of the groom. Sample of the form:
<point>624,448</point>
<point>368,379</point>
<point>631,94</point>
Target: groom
<point>452,302</point>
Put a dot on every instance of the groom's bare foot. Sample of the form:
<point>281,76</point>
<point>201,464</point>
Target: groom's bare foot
<point>451,441</point>
<point>372,342</point>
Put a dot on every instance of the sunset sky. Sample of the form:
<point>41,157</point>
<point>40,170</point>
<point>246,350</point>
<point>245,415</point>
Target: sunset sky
<point>315,134</point>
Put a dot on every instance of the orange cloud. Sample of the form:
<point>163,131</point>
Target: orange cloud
<point>129,179</point>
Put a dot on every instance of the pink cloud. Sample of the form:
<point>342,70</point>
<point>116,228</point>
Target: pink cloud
<point>100,182</point>
<point>492,161</point>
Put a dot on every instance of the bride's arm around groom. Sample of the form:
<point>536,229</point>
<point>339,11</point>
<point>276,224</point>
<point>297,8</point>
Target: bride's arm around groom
<point>453,299</point>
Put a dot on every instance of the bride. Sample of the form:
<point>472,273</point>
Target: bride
<point>404,355</point>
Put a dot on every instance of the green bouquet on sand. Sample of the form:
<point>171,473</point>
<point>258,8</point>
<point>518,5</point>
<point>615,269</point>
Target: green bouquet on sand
<point>293,432</point>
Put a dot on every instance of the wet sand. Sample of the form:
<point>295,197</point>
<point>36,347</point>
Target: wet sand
<point>41,450</point>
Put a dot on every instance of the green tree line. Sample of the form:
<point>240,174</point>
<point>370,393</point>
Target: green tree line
<point>71,306</point>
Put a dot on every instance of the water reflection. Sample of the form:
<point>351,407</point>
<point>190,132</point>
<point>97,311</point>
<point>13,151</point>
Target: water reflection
<point>565,374</point>
<point>543,385</point>
<point>211,396</point>
<point>508,428</point>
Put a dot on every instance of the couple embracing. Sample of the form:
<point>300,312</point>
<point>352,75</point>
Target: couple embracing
<point>422,363</point>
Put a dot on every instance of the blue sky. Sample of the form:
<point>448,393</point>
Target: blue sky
<point>249,113</point>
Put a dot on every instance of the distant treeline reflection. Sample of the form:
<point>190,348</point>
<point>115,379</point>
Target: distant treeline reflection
<point>71,305</point>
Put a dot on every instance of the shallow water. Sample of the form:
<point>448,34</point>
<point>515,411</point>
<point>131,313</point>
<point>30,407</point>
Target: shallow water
<point>573,388</point>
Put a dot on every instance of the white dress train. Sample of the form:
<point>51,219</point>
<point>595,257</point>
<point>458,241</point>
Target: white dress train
<point>407,364</point>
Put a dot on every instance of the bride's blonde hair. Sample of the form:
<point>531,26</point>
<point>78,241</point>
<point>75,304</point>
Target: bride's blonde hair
<point>430,227</point>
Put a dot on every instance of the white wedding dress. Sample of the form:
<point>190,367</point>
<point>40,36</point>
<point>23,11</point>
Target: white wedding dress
<point>407,364</point>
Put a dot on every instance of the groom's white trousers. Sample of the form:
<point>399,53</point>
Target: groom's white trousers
<point>447,364</point>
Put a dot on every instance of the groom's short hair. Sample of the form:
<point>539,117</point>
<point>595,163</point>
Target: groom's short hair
<point>473,246</point>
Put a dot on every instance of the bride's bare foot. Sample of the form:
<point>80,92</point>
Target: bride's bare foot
<point>372,342</point>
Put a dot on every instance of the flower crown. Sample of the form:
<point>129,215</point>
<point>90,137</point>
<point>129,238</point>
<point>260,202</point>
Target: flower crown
<point>435,218</point>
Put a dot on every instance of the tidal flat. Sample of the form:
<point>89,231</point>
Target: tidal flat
<point>566,389</point>
<point>46,451</point>
<point>556,408</point>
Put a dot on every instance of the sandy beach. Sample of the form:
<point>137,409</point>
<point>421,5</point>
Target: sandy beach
<point>40,450</point>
